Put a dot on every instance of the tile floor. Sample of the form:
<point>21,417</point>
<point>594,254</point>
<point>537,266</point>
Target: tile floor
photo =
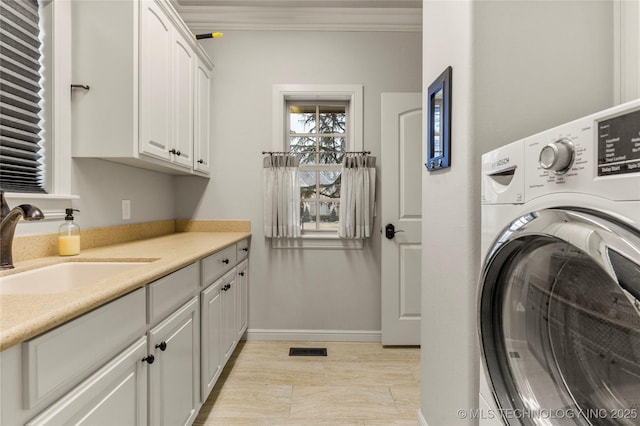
<point>355,384</point>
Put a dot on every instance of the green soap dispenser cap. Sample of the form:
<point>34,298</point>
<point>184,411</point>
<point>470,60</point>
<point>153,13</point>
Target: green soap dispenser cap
<point>69,212</point>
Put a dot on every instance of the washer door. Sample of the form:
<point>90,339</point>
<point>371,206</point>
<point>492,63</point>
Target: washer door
<point>559,320</point>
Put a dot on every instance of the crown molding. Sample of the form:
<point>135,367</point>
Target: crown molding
<point>220,18</point>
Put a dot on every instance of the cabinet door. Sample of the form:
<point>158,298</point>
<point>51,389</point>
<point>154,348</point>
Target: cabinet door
<point>202,119</point>
<point>115,395</point>
<point>210,332</point>
<point>183,65</point>
<point>242,299</point>
<point>174,377</point>
<point>156,35</point>
<point>228,314</point>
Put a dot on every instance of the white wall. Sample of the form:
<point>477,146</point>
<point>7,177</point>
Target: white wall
<point>102,185</point>
<point>295,289</point>
<point>518,68</point>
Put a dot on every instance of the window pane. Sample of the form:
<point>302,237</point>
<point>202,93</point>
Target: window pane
<point>302,118</point>
<point>329,216</point>
<point>308,215</point>
<point>305,147</point>
<point>330,184</point>
<point>308,184</point>
<point>331,150</point>
<point>332,119</point>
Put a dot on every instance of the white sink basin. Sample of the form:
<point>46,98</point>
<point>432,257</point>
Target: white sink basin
<point>62,277</point>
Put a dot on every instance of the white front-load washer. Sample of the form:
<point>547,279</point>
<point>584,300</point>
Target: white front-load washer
<point>559,292</point>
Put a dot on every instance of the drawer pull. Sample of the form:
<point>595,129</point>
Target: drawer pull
<point>225,261</point>
<point>149,359</point>
<point>245,248</point>
<point>162,346</point>
<point>241,274</point>
<point>226,287</point>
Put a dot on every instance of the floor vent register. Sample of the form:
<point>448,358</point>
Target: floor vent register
<point>307,351</point>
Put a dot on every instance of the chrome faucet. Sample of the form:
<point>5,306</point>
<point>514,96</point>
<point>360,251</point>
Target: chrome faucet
<point>8,220</point>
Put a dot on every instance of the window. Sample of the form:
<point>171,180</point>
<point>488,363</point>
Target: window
<point>21,151</point>
<point>55,125</point>
<point>319,122</point>
<point>318,134</point>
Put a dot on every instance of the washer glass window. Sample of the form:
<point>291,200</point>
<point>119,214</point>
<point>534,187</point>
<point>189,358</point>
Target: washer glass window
<point>560,321</point>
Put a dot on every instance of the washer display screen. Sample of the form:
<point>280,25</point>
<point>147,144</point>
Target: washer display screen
<point>619,145</point>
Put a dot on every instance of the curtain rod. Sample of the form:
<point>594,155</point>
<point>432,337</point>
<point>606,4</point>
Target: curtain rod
<point>289,152</point>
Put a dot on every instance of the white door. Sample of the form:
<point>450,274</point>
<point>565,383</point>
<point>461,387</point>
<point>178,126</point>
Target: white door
<point>401,174</point>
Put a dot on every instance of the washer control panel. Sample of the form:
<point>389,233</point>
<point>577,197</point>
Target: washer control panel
<point>619,144</point>
<point>598,155</point>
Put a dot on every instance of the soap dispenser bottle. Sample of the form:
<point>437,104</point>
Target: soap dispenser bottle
<point>69,236</point>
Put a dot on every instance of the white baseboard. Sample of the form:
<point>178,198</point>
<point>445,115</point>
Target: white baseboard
<point>421,420</point>
<point>314,335</point>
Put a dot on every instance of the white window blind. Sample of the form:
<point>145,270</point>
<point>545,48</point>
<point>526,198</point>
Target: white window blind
<point>21,164</point>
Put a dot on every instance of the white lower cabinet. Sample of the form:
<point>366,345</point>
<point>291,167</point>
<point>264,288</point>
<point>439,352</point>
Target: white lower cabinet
<point>210,349</point>
<point>228,325</point>
<point>223,310</point>
<point>242,299</point>
<point>151,357</point>
<point>174,375</point>
<point>116,394</point>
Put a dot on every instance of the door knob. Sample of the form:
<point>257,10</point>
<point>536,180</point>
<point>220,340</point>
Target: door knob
<point>390,231</point>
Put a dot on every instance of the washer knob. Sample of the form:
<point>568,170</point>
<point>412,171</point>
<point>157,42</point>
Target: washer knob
<point>557,156</point>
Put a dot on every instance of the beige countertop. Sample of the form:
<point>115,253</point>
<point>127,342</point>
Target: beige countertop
<point>23,316</point>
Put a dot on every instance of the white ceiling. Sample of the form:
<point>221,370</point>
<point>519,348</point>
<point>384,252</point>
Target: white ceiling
<point>300,15</point>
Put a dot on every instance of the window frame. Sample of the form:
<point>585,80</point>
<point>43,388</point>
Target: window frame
<point>56,28</point>
<point>353,95</point>
<point>317,167</point>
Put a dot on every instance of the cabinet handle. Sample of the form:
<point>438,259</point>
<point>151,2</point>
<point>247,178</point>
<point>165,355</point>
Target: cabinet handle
<point>241,274</point>
<point>172,151</point>
<point>162,346</point>
<point>245,249</point>
<point>201,161</point>
<point>226,287</point>
<point>225,261</point>
<point>149,359</point>
<point>178,153</point>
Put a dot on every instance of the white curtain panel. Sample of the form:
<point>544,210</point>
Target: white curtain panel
<point>281,193</point>
<point>357,196</point>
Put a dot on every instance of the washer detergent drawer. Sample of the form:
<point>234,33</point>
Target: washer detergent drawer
<point>59,359</point>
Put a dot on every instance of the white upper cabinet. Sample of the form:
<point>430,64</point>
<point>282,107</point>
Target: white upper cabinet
<point>202,118</point>
<point>156,34</point>
<point>143,107</point>
<point>183,101</point>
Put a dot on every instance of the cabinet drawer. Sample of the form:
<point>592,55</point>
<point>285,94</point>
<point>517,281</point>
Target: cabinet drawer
<point>217,264</point>
<point>115,394</point>
<point>242,250</point>
<point>59,359</point>
<point>168,293</point>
